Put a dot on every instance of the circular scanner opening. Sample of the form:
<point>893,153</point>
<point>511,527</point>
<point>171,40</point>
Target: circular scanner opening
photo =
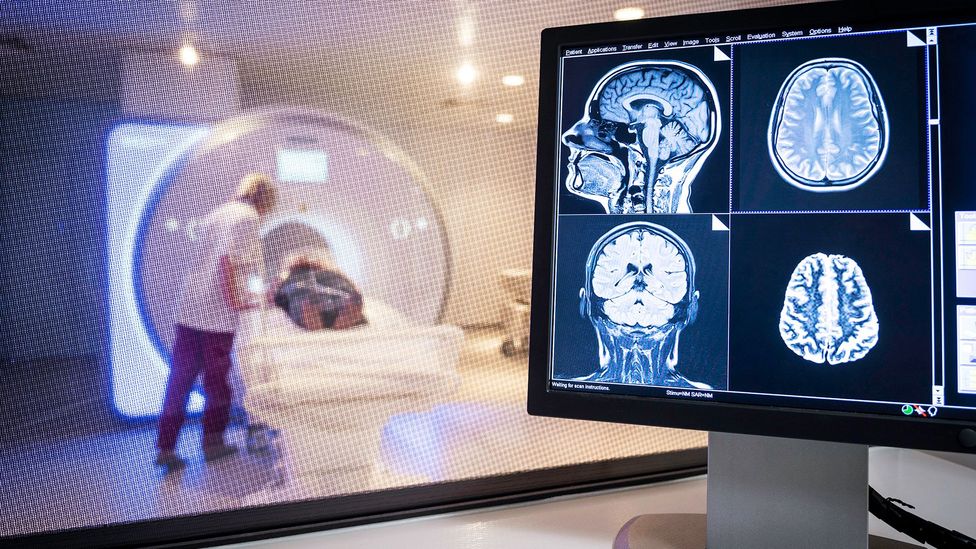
<point>392,244</point>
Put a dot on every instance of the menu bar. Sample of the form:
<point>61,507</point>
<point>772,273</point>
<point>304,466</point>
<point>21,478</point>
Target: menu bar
<point>714,40</point>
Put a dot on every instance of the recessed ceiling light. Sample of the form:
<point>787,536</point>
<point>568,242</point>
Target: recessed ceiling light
<point>504,118</point>
<point>466,74</point>
<point>513,80</point>
<point>629,13</point>
<point>189,55</point>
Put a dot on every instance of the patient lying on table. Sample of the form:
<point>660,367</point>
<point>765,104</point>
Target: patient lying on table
<point>317,296</point>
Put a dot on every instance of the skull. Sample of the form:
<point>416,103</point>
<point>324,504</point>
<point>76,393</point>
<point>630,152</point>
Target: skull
<point>639,295</point>
<point>829,127</point>
<point>647,129</point>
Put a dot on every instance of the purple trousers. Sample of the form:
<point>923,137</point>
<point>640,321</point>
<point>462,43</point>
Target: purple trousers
<point>196,352</point>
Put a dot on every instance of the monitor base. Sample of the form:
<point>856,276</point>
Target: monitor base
<point>687,531</point>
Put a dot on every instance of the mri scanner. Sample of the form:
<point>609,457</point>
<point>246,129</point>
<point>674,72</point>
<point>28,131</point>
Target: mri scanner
<point>343,193</point>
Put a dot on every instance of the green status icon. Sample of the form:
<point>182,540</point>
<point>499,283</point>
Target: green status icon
<point>907,409</point>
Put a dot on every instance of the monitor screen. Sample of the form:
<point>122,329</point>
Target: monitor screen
<point>777,216</point>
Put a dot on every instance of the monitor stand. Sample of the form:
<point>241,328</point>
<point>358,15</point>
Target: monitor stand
<point>766,492</point>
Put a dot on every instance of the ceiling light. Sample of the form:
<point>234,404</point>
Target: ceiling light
<point>504,118</point>
<point>629,13</point>
<point>513,80</point>
<point>466,74</point>
<point>189,55</point>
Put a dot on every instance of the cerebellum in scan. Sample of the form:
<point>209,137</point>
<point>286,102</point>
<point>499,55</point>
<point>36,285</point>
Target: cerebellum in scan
<point>828,314</point>
<point>828,130</point>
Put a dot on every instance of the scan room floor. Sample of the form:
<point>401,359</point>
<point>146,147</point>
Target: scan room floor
<point>481,430</point>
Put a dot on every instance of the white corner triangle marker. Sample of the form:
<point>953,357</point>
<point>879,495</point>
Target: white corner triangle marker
<point>720,55</point>
<point>717,224</point>
<point>913,40</point>
<point>915,224</point>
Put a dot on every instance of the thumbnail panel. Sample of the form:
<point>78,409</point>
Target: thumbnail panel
<point>645,133</point>
<point>642,301</point>
<point>831,305</point>
<point>830,124</point>
<point>957,125</point>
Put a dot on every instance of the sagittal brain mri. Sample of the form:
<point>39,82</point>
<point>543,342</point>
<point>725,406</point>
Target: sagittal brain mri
<point>647,128</point>
<point>640,294</point>
<point>829,129</point>
<point>828,315</point>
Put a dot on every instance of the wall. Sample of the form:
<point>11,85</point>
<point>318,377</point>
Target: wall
<point>54,113</point>
<point>52,329</point>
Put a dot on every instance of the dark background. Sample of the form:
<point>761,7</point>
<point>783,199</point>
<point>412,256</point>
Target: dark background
<point>895,263</point>
<point>55,116</point>
<point>710,190</point>
<point>958,124</point>
<point>702,347</point>
<point>899,71</point>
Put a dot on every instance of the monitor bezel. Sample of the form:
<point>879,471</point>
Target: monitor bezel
<point>847,427</point>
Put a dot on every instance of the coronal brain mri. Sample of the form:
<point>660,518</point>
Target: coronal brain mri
<point>639,297</point>
<point>828,315</point>
<point>641,276</point>
<point>829,128</point>
<point>647,128</point>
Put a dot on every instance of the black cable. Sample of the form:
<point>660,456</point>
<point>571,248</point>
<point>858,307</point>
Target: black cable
<point>888,510</point>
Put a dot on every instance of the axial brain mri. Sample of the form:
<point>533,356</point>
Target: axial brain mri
<point>828,314</point>
<point>829,128</point>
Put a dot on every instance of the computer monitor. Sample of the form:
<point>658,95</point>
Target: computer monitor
<point>762,222</point>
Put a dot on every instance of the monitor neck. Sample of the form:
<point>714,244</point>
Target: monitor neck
<point>781,492</point>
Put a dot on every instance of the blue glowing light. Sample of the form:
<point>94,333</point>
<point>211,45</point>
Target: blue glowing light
<point>141,161</point>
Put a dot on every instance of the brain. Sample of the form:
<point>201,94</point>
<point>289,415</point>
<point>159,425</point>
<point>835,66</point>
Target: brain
<point>671,101</point>
<point>828,315</point>
<point>828,130</point>
<point>640,276</point>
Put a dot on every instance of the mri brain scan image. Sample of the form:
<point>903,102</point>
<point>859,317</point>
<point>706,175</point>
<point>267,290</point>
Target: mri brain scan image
<point>641,276</point>
<point>640,294</point>
<point>828,315</point>
<point>829,128</point>
<point>647,128</point>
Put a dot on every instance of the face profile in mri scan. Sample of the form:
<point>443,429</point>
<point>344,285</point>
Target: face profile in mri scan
<point>829,128</point>
<point>828,314</point>
<point>640,294</point>
<point>647,129</point>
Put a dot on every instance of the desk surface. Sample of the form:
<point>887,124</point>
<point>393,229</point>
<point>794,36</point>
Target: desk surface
<point>942,492</point>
